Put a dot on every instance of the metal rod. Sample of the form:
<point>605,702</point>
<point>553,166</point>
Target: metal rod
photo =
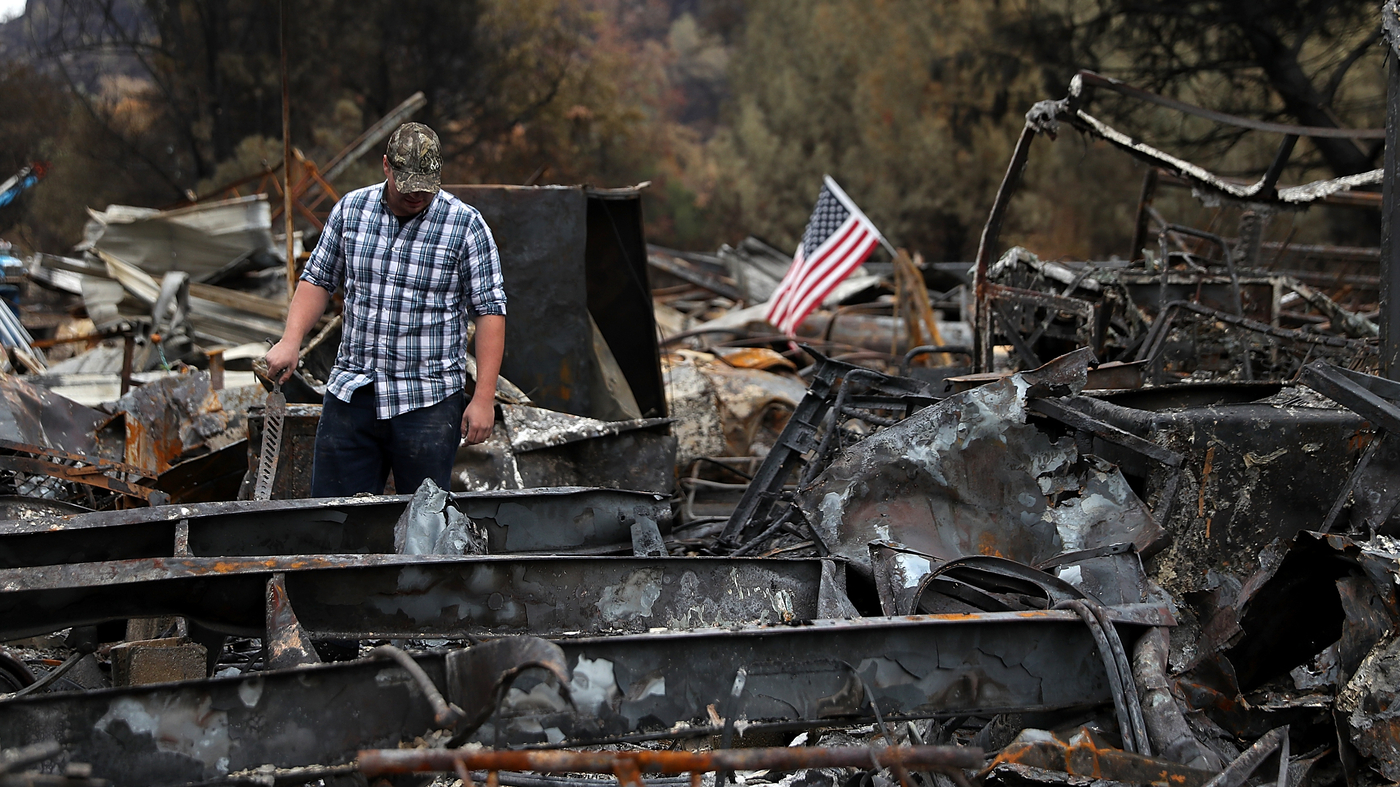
<point>1126,723</point>
<point>387,761</point>
<point>1097,80</point>
<point>986,249</point>
<point>1238,771</point>
<point>287,153</point>
<point>1145,197</point>
<point>1390,266</point>
<point>444,713</point>
<point>1285,150</point>
<point>1356,472</point>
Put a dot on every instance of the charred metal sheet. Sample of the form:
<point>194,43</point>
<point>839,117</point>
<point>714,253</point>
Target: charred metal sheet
<point>550,448</point>
<point>619,292</point>
<point>1363,394</point>
<point>292,480</point>
<point>516,521</point>
<point>533,428</point>
<point>36,416</point>
<point>211,477</point>
<point>287,643</point>
<point>199,731</point>
<point>415,596</point>
<point>1370,706</point>
<point>1254,470</point>
<point>968,476</point>
<point>174,418</point>
<point>567,263</point>
<point>799,436</point>
<point>799,676</point>
<point>930,665</point>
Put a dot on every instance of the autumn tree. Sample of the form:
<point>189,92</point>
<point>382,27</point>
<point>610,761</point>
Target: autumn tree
<point>911,106</point>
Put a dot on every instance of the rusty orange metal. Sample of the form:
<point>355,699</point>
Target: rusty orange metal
<point>629,765</point>
<point>1085,754</point>
<point>755,358</point>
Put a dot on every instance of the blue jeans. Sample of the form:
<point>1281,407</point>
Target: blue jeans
<point>355,451</point>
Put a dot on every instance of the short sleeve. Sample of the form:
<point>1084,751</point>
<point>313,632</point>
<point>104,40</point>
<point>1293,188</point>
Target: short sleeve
<point>326,268</point>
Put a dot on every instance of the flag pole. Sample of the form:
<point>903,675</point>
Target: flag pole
<point>851,205</point>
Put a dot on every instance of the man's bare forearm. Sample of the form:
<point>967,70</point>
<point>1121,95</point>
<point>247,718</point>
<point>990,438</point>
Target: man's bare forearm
<point>308,304</point>
<point>490,349</point>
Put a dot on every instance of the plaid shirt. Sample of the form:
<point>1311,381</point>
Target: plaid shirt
<point>410,286</point>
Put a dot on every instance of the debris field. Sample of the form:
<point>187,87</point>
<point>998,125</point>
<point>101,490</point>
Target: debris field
<point>1014,521</point>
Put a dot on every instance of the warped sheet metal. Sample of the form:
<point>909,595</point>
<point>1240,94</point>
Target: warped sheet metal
<point>175,418</point>
<point>199,239</point>
<point>969,476</point>
<point>810,675</point>
<point>1260,464</point>
<point>550,448</point>
<point>417,596</point>
<point>36,416</point>
<point>515,521</point>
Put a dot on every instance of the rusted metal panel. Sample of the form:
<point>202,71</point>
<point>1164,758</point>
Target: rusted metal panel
<point>293,478</point>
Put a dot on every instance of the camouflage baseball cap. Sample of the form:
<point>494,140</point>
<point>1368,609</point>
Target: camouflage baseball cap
<point>415,156</point>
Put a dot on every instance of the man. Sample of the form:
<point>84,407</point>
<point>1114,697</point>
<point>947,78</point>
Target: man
<point>414,263</point>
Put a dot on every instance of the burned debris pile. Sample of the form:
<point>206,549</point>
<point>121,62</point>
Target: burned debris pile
<point>1013,522</point>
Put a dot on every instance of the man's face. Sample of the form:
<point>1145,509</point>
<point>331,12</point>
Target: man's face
<point>400,204</point>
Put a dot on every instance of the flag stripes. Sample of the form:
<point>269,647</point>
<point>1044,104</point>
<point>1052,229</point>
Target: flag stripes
<point>837,240</point>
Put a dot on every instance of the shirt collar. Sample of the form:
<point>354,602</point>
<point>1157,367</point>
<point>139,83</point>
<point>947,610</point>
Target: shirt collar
<point>384,203</point>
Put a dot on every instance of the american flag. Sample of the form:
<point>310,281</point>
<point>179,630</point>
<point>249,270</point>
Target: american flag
<point>838,239</point>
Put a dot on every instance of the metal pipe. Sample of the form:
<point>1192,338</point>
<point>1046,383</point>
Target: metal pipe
<point>1120,657</point>
<point>287,152</point>
<point>983,327</point>
<point>380,762</point>
<point>1115,678</point>
<point>1390,266</point>
<point>444,713</point>
<point>1171,736</point>
<point>924,349</point>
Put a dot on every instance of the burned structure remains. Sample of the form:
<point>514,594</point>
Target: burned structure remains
<point>1013,522</point>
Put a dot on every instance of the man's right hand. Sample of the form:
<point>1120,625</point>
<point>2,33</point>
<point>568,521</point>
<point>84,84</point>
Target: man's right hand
<point>281,360</point>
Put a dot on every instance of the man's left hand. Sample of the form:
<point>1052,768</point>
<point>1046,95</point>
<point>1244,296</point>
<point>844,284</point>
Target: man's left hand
<point>478,419</point>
